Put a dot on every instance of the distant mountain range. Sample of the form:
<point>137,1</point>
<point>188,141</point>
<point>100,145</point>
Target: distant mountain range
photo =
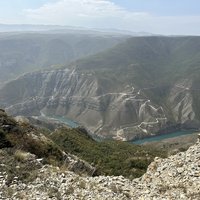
<point>30,27</point>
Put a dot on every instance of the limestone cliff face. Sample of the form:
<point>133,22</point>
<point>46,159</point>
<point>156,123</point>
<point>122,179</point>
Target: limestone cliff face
<point>182,100</point>
<point>125,115</point>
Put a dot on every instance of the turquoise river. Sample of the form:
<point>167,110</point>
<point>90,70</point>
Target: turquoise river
<point>157,138</point>
<point>72,124</point>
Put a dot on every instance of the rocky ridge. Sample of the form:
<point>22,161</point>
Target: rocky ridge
<point>176,177</point>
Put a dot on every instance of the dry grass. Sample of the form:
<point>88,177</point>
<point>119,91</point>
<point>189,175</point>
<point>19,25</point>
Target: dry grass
<point>16,164</point>
<point>20,155</point>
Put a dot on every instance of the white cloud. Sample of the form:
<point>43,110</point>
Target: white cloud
<point>105,14</point>
<point>81,13</point>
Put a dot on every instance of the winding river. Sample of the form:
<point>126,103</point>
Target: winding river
<point>157,138</point>
<point>72,124</point>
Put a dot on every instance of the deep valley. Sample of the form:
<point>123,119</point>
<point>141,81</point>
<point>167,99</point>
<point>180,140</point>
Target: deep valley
<point>140,88</point>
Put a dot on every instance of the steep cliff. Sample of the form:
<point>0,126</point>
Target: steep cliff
<point>113,115</point>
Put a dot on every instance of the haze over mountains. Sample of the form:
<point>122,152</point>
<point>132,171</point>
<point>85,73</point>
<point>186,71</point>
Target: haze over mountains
<point>31,27</point>
<point>22,52</point>
<point>142,87</point>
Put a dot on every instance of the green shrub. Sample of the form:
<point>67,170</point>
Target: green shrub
<point>110,158</point>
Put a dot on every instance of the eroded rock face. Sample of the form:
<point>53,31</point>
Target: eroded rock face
<point>126,115</point>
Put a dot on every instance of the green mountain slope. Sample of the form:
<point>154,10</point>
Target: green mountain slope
<point>24,52</point>
<point>150,59</point>
<point>112,157</point>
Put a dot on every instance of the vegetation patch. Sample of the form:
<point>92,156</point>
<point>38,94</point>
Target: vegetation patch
<point>20,145</point>
<point>18,166</point>
<point>110,158</point>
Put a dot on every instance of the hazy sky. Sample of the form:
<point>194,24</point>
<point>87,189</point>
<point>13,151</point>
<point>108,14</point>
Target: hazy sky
<point>155,16</point>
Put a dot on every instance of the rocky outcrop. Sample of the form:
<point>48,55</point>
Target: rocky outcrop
<point>73,163</point>
<point>176,178</point>
<point>126,115</point>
